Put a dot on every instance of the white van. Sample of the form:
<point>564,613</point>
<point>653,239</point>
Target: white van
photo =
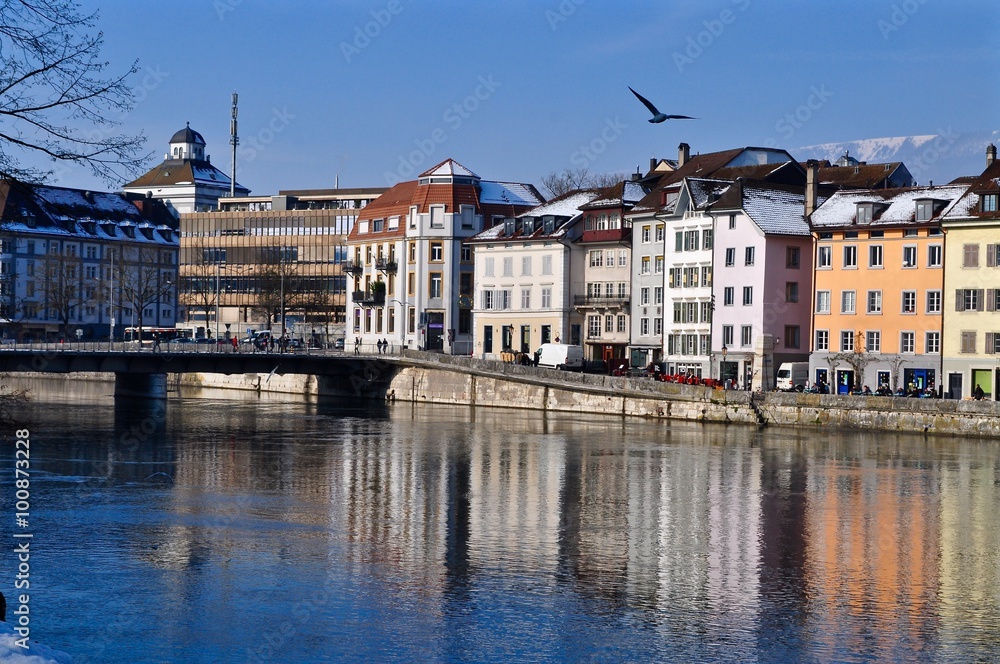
<point>792,374</point>
<point>560,356</point>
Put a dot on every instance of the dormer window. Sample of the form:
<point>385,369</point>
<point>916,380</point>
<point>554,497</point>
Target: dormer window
<point>527,226</point>
<point>925,210</point>
<point>508,227</point>
<point>988,203</point>
<point>549,225</point>
<point>864,213</point>
<point>377,225</point>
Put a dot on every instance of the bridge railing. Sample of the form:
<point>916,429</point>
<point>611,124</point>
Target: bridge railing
<point>365,349</point>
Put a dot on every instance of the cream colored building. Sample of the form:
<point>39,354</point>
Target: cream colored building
<point>524,271</point>
<point>971,340</point>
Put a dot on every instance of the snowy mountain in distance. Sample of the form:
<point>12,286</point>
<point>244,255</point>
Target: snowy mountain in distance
<point>933,157</point>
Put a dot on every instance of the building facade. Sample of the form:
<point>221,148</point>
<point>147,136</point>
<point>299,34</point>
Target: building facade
<point>878,297</point>
<point>82,265</point>
<point>412,275</point>
<point>524,270</point>
<point>971,342</point>
<point>275,263</point>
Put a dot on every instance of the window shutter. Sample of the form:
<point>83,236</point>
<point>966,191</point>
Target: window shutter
<point>959,300</point>
<point>991,255</point>
<point>979,299</point>
<point>989,343</point>
<point>991,299</point>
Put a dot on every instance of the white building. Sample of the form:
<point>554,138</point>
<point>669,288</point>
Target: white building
<point>186,180</point>
<point>525,269</point>
<point>412,273</point>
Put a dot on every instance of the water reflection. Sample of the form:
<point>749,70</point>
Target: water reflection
<point>452,534</point>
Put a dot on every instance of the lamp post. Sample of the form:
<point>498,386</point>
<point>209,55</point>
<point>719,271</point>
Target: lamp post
<point>722,368</point>
<point>403,322</point>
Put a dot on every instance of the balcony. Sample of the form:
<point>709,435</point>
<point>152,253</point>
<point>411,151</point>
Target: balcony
<point>594,302</point>
<point>386,265</point>
<point>365,299</point>
<point>350,267</point>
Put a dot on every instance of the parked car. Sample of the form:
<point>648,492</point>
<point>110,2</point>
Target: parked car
<point>181,340</point>
<point>560,356</point>
<point>339,344</point>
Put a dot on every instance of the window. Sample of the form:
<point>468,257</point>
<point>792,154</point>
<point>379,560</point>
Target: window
<point>909,302</point>
<point>691,241</point>
<point>875,256</point>
<point>727,335</point>
<point>658,265</point>
<point>792,336</point>
<point>621,323</point>
<point>644,265</point>
<point>792,257</point>
<point>968,341</point>
<point>643,296</point>
<point>596,258</point>
<point>993,299</point>
<point>850,256</point>
<point>466,255</point>
<point>378,225</point>
<point>730,257</point>
<point>546,265</point>
<point>933,301</point>
<point>644,326</point>
<point>706,275</point>
<point>848,302</point>
<point>488,267</point>
<point>593,327</point>
<point>873,341</point>
<point>906,342</point>
<point>864,213</point>
<point>746,336</point>
<point>706,312</point>
<point>679,241</point>
<point>706,238</point>
<point>822,340</point>
<point>970,255</point>
<point>727,296</point>
<point>436,282</point>
<point>437,216</point>
<point>874,302</point>
<point>508,266</point>
<point>846,341</point>
<point>909,256</point>
<point>823,257</point>
<point>989,203</point>
<point>525,298</point>
<point>934,255</point>
<point>925,210</point>
<point>657,294</point>
<point>932,342</point>
<point>791,291</point>
<point>747,296</point>
<point>823,302</point>
<point>623,258</point>
<point>437,252</point>
<point>645,233</point>
<point>748,256</point>
<point>732,221</point>
<point>969,299</point>
<point>525,266</point>
<point>659,235</point>
<point>547,297</point>
<point>609,258</point>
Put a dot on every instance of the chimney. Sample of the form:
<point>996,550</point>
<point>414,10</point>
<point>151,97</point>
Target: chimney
<point>991,154</point>
<point>652,164</point>
<point>812,186</point>
<point>683,154</point>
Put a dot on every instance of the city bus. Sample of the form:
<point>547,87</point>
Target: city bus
<point>149,334</point>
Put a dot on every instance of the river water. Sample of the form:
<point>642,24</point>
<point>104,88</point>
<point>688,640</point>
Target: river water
<point>237,528</point>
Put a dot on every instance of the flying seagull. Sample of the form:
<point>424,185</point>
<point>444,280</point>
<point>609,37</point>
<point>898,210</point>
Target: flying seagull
<point>657,116</point>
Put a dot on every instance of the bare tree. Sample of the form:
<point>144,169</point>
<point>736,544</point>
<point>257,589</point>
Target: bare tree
<point>279,288</point>
<point>63,287</point>
<point>55,99</point>
<point>144,279</point>
<point>558,184</point>
<point>199,287</point>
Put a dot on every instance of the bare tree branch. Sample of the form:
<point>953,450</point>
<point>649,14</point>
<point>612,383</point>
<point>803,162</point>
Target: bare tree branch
<point>55,99</point>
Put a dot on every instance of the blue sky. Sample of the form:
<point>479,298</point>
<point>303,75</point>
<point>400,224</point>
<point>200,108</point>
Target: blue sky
<point>376,92</point>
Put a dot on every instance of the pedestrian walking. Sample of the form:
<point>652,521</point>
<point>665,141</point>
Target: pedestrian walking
<point>357,345</point>
<point>385,346</point>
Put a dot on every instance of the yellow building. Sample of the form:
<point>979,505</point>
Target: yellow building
<point>971,350</point>
<point>878,294</point>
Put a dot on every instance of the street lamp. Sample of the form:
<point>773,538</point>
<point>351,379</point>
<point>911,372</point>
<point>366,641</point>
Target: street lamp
<point>404,322</point>
<point>722,368</point>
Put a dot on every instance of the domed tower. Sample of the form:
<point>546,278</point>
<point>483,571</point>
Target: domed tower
<point>186,180</point>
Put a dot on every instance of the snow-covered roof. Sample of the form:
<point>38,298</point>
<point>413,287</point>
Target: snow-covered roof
<point>564,206</point>
<point>511,193</point>
<point>703,190</point>
<point>776,210</point>
<point>449,167</point>
<point>896,206</point>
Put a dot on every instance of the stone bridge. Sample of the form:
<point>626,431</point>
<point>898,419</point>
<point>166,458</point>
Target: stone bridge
<point>144,374</point>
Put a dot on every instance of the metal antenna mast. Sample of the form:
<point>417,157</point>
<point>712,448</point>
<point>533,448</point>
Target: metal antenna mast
<point>234,140</point>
